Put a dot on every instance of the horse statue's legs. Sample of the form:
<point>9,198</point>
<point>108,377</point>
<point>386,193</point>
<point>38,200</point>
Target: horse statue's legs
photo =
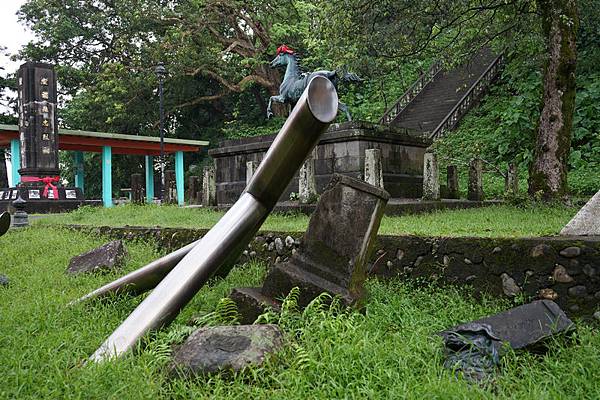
<point>278,99</point>
<point>344,108</point>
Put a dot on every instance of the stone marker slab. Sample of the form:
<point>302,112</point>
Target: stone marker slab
<point>333,253</point>
<point>587,221</point>
<point>4,281</point>
<point>475,186</point>
<point>452,182</point>
<point>524,326</point>
<point>4,223</point>
<point>107,257</point>
<point>226,348</point>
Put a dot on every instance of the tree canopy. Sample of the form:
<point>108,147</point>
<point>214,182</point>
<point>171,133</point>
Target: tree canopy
<point>217,53</point>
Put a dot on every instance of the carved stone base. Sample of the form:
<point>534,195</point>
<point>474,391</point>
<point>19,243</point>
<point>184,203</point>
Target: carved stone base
<point>68,199</point>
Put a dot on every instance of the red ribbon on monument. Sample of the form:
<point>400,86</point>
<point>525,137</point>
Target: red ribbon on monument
<point>47,180</point>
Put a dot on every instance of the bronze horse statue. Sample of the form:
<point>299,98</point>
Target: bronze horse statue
<point>294,81</point>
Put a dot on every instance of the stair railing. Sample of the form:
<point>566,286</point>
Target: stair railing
<point>472,95</point>
<point>411,93</point>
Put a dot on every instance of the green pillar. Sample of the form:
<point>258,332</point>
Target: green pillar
<point>149,179</point>
<point>15,160</point>
<point>79,171</point>
<point>107,176</point>
<point>179,177</point>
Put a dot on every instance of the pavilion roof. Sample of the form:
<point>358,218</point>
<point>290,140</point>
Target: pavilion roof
<point>121,143</point>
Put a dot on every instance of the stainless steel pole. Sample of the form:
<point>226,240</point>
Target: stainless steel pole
<point>222,245</point>
<point>142,279</point>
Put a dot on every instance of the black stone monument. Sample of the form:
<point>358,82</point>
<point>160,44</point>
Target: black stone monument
<point>38,130</point>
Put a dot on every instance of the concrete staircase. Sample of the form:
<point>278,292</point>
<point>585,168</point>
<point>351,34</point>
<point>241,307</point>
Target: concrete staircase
<point>436,102</point>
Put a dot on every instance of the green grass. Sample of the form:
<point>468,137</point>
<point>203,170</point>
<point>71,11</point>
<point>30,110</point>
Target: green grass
<point>495,221</point>
<point>390,352</point>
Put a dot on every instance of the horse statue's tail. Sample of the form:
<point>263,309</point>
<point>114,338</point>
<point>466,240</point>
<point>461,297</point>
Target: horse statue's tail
<point>350,77</point>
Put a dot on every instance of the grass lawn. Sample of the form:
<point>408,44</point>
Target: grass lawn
<point>495,221</point>
<point>390,352</point>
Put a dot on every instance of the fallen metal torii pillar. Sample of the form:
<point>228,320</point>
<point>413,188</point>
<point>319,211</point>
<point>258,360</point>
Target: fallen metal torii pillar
<point>222,245</point>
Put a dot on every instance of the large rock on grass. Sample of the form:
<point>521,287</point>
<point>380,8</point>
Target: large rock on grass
<point>108,257</point>
<point>4,280</point>
<point>226,348</point>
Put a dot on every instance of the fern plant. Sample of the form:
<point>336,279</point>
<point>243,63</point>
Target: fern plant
<point>226,313</point>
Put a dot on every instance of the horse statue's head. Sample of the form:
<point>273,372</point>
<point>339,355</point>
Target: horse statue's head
<point>284,54</point>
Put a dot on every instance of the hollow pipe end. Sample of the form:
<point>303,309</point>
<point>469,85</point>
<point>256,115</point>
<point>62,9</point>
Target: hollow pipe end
<point>322,99</point>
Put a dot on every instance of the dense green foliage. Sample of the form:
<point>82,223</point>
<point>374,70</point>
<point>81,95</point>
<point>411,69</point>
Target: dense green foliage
<point>217,55</point>
<point>503,128</point>
<point>390,351</point>
<point>493,221</point>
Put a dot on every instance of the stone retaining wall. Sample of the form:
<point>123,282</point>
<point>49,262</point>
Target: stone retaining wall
<point>564,269</point>
<point>340,150</point>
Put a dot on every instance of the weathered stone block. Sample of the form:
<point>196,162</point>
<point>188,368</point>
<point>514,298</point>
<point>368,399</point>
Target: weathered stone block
<point>307,184</point>
<point>170,187</point>
<point>208,187</point>
<point>431,177</point>
<point>107,257</point>
<point>335,249</point>
<point>251,167</point>
<point>193,192</point>
<point>341,150</point>
<point>475,192</point>
<point>137,189</point>
<point>373,168</point>
<point>226,348</point>
<point>452,182</point>
<point>251,303</point>
<point>511,183</point>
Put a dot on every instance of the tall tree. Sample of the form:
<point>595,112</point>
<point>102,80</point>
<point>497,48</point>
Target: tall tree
<point>545,29</point>
<point>548,173</point>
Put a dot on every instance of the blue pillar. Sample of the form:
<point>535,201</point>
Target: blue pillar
<point>179,177</point>
<point>15,160</point>
<point>107,176</point>
<point>149,179</point>
<point>78,158</point>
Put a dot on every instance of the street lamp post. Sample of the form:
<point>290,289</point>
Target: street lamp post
<point>161,72</point>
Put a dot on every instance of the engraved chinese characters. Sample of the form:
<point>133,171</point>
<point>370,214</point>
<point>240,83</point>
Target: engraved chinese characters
<point>37,120</point>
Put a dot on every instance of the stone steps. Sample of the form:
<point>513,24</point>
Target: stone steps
<point>426,111</point>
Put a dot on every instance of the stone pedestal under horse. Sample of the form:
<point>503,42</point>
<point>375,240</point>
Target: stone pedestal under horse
<point>295,81</point>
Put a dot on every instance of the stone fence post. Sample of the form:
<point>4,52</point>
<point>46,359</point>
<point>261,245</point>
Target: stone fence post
<point>193,189</point>
<point>170,187</point>
<point>452,182</point>
<point>209,187</point>
<point>475,192</point>
<point>307,183</point>
<point>373,168</point>
<point>250,170</point>
<point>511,183</point>
<point>431,177</point>
<point>137,189</point>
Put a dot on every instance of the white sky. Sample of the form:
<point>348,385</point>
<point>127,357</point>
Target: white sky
<point>12,35</point>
